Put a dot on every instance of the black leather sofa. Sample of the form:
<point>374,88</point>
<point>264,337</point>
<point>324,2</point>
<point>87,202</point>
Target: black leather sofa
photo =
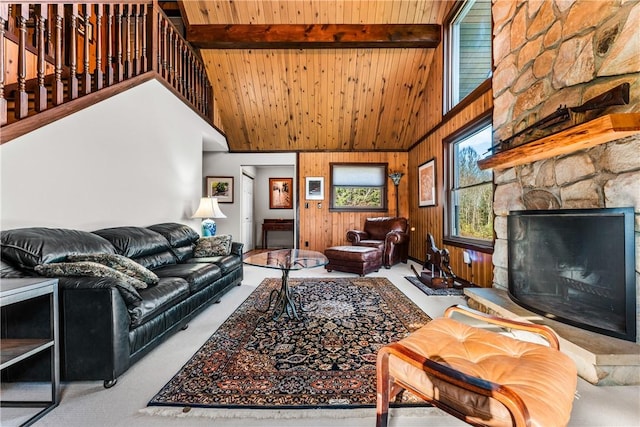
<point>104,329</point>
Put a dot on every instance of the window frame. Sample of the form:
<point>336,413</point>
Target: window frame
<point>448,104</point>
<point>480,245</point>
<point>384,188</point>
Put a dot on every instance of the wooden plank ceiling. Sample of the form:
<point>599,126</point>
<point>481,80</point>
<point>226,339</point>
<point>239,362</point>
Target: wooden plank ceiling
<point>317,99</point>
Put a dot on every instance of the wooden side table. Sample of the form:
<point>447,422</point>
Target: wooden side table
<point>29,310</point>
<point>274,225</point>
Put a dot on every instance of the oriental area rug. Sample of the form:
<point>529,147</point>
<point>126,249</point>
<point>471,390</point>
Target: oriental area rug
<point>325,360</point>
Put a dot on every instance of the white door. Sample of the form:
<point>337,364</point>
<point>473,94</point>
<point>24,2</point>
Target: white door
<point>247,213</point>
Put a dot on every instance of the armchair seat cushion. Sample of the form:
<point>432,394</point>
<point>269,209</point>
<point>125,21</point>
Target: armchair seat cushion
<point>378,244</point>
<point>544,378</point>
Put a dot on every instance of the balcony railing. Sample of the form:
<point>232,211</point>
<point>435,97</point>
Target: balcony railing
<point>59,54</point>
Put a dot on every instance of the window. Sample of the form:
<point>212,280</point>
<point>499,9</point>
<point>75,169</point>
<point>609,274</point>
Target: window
<point>469,206</point>
<point>468,50</point>
<point>359,186</point>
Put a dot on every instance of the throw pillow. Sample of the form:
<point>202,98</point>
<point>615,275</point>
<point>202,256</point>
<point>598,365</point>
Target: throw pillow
<point>87,268</point>
<point>213,246</point>
<point>120,263</point>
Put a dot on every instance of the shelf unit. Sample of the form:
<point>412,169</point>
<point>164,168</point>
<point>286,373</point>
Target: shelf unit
<point>594,132</point>
<point>26,336</point>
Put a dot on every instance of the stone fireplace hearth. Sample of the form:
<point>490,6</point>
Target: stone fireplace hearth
<point>562,53</point>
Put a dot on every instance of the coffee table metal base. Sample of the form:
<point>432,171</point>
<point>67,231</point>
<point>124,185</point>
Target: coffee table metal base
<point>285,301</point>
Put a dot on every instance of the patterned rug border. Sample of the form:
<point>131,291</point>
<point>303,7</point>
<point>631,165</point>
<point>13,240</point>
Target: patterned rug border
<point>405,311</point>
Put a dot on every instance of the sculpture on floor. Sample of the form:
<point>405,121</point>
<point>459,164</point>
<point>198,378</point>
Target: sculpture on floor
<point>436,271</point>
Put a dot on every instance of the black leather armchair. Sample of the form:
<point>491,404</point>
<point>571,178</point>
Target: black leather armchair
<point>389,234</point>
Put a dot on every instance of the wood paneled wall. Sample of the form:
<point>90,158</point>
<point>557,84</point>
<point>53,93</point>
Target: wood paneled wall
<point>323,228</point>
<point>431,219</point>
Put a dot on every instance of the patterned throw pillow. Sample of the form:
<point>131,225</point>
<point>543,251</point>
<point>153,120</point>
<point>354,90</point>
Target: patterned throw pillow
<point>213,246</point>
<point>90,269</point>
<point>120,263</point>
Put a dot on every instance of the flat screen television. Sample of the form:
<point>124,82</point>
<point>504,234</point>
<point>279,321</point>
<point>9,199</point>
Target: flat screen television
<point>576,266</point>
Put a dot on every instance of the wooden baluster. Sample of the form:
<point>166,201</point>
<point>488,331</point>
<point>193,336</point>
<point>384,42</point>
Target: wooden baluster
<point>58,85</point>
<point>4,17</point>
<point>170,55</point>
<point>136,40</point>
<point>41,90</point>
<point>98,74</point>
<point>128,65</point>
<point>187,78</point>
<point>73,53</point>
<point>86,74</point>
<point>178,83</point>
<point>22,98</point>
<point>118,39</point>
<point>165,65</point>
<point>109,65</point>
<point>143,57</point>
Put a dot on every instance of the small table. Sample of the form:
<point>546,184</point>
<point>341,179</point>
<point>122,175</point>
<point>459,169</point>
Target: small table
<point>283,299</point>
<point>30,327</point>
<point>275,225</point>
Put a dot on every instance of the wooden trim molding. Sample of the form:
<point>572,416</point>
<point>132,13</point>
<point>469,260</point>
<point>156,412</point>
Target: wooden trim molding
<point>302,36</point>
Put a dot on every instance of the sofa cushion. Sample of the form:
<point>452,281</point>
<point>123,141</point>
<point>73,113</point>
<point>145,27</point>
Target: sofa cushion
<point>86,269</point>
<point>213,246</point>
<point>28,247</point>
<point>177,235</point>
<point>184,253</point>
<point>154,261</point>
<point>129,294</point>
<point>121,264</point>
<point>91,269</point>
<point>156,299</point>
<point>226,263</point>
<point>197,275</point>
<point>134,242</point>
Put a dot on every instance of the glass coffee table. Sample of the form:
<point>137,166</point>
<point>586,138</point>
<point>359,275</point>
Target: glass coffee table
<point>283,300</point>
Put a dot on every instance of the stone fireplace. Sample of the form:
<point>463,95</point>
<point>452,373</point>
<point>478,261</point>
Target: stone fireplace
<point>556,53</point>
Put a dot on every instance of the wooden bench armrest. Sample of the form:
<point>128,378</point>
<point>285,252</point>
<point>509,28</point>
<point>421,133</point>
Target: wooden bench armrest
<point>503,394</point>
<point>543,330</point>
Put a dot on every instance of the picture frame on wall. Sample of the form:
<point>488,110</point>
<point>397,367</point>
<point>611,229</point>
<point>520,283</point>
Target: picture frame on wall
<point>220,187</point>
<point>314,188</point>
<point>427,183</point>
<point>280,193</point>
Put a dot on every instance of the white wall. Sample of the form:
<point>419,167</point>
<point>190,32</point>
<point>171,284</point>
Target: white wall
<point>133,159</point>
<point>232,164</point>
<point>276,239</point>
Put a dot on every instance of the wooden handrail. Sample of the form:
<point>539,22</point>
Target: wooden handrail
<point>81,48</point>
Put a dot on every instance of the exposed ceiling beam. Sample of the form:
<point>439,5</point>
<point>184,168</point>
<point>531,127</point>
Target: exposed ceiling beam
<point>300,36</point>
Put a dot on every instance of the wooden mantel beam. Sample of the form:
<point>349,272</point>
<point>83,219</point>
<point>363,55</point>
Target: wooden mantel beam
<point>300,36</point>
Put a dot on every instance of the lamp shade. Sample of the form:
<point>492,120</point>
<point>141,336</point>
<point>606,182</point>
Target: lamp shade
<point>209,208</point>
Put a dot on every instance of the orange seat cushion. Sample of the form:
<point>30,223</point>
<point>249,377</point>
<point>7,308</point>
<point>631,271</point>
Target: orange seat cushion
<point>544,378</point>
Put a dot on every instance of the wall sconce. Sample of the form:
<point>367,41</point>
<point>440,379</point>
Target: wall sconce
<point>395,177</point>
<point>208,209</point>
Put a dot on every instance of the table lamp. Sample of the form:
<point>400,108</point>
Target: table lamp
<point>208,210</point>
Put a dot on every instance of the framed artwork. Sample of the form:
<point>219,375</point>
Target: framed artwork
<point>220,187</point>
<point>280,193</point>
<point>314,189</point>
<point>427,183</point>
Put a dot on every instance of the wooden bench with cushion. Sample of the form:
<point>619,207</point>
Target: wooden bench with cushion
<point>480,376</point>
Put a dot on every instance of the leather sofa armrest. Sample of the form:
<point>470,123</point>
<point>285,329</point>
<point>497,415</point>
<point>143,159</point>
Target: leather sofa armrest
<point>236,248</point>
<point>396,237</point>
<point>355,236</point>
<point>95,331</point>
